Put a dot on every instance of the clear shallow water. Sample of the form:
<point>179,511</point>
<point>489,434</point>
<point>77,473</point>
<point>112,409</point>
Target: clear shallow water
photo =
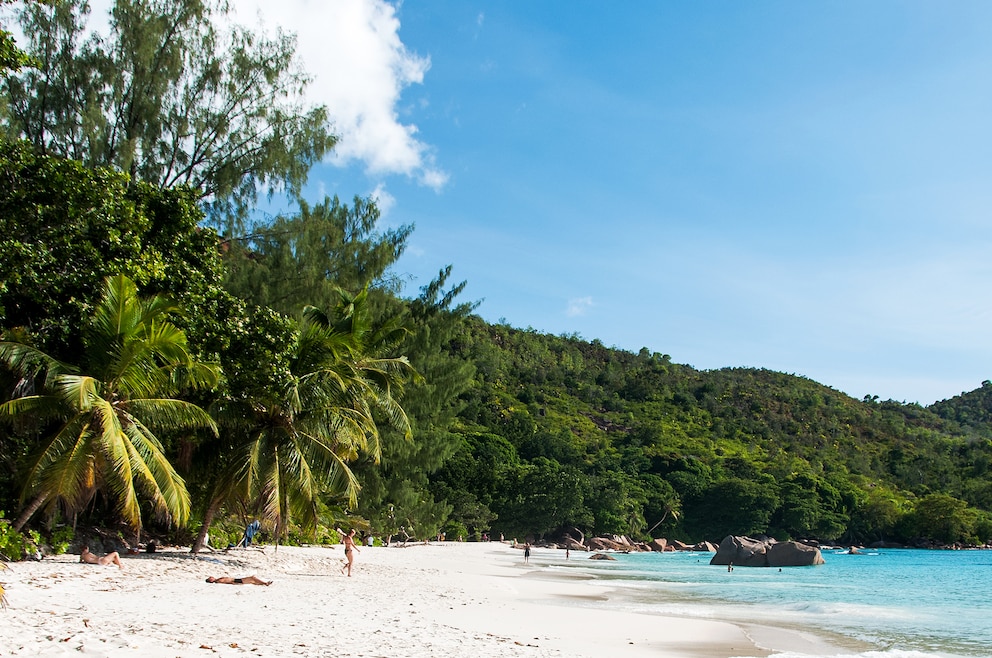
<point>905,603</point>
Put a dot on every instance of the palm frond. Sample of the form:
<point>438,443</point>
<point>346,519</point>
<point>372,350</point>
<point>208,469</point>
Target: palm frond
<point>78,392</point>
<point>112,442</point>
<point>326,417</point>
<point>156,476</point>
<point>63,467</point>
<point>135,358</point>
<point>3,600</point>
<point>29,362</point>
<point>39,406</point>
<point>194,375</point>
<point>170,414</point>
<point>236,415</point>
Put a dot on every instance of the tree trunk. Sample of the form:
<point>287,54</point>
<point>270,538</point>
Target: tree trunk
<point>29,511</point>
<point>208,517</point>
<point>667,511</point>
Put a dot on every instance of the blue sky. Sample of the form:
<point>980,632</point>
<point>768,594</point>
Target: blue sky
<point>799,186</point>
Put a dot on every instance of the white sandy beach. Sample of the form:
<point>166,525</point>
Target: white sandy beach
<point>450,599</point>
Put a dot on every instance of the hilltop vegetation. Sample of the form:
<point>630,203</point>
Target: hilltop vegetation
<point>618,442</point>
<point>282,373</point>
<point>512,431</point>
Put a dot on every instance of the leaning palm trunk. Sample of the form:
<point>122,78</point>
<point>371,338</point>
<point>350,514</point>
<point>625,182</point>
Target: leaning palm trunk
<point>29,511</point>
<point>208,518</point>
<point>674,514</point>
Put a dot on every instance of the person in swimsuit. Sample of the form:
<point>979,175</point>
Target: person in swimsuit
<point>349,550</point>
<point>247,580</point>
<point>109,558</point>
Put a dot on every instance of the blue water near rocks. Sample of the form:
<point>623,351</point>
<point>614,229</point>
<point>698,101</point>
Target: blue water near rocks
<point>903,603</point>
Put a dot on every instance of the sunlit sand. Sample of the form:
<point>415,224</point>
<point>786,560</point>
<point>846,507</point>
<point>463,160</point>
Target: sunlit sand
<point>450,599</point>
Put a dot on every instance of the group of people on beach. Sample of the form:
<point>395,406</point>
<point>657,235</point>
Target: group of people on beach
<point>350,547</point>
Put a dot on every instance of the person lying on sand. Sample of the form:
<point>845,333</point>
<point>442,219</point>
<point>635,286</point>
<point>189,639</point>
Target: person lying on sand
<point>247,580</point>
<point>109,558</point>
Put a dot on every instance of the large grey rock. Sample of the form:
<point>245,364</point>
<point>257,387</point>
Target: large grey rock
<point>793,554</point>
<point>741,552</point>
<point>748,552</point>
<point>658,545</point>
<point>604,544</point>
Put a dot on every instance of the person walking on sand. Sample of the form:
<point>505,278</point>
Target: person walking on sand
<point>349,550</point>
<point>527,553</point>
<point>109,558</point>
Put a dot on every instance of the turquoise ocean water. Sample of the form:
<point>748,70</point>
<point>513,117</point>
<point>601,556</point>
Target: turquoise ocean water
<point>903,603</point>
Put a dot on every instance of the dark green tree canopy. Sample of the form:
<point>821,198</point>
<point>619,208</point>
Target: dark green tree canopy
<point>64,227</point>
<point>304,259</point>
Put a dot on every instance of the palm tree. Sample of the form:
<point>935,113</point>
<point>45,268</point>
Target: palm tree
<point>103,438</point>
<point>299,444</point>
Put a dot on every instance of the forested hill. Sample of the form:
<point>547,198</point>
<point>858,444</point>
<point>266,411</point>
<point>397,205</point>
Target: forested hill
<point>170,359</point>
<point>560,431</point>
<point>501,430</point>
<point>972,410</point>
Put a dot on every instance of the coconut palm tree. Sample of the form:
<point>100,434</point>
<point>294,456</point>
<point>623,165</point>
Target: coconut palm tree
<point>103,439</point>
<point>298,445</point>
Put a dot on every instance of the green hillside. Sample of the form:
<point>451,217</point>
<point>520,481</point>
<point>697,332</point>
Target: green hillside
<point>560,432</point>
<point>173,359</point>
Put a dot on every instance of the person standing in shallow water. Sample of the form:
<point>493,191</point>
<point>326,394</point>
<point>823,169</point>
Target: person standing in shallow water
<point>349,550</point>
<point>527,553</point>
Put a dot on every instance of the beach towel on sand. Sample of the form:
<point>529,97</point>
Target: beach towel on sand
<point>250,532</point>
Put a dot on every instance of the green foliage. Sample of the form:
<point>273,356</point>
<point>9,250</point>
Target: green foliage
<point>288,444</point>
<point>946,519</point>
<point>303,260</point>
<point>810,507</point>
<point>175,95</point>
<point>320,535</point>
<point>403,486</point>
<point>15,545</point>
<point>103,421</point>
<point>12,58</point>
<point>456,531</point>
<point>663,448</point>
<point>60,539</point>
<point>64,228</point>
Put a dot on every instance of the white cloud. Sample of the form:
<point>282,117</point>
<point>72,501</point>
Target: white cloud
<point>579,306</point>
<point>360,67</point>
<point>384,201</point>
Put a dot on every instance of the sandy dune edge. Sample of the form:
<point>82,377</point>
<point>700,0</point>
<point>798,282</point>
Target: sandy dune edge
<point>451,599</point>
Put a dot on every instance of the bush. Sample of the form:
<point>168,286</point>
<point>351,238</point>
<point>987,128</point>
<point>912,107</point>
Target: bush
<point>60,539</point>
<point>453,530</point>
<point>14,545</point>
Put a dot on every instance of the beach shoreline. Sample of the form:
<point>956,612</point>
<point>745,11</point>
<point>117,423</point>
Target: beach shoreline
<point>451,598</point>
